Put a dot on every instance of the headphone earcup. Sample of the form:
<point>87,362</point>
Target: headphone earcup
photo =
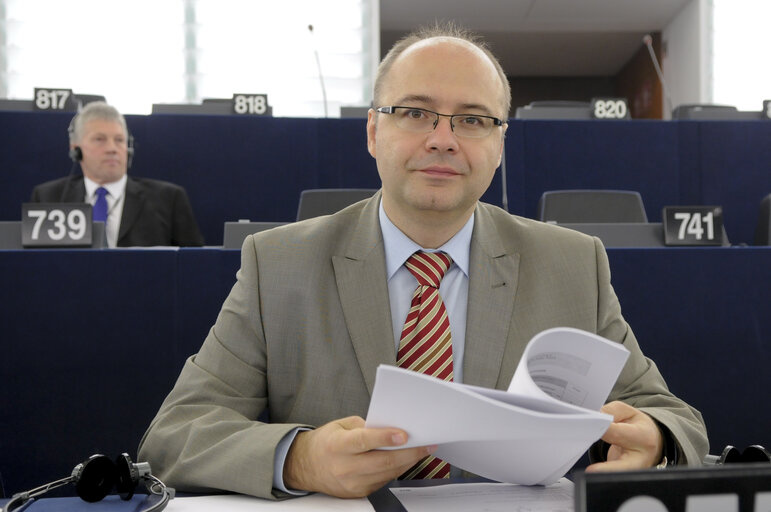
<point>756,453</point>
<point>126,476</point>
<point>94,478</point>
<point>130,151</point>
<point>76,154</point>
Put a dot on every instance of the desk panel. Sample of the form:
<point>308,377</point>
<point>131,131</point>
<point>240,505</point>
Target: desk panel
<point>704,316</point>
<point>85,355</point>
<point>73,385</point>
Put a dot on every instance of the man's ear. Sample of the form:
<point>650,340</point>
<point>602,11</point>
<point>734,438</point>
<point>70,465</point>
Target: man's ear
<point>371,131</point>
<point>503,143</point>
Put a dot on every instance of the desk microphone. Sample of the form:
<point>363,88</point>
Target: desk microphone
<point>648,42</point>
<point>321,76</point>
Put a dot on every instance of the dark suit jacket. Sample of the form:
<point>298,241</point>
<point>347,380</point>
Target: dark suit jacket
<point>308,322</point>
<point>154,213</point>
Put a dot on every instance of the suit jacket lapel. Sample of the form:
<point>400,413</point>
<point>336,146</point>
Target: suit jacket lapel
<point>132,206</point>
<point>360,274</point>
<point>75,191</point>
<point>493,277</point>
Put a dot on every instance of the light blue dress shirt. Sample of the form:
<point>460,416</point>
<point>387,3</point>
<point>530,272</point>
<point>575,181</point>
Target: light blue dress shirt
<point>453,288</point>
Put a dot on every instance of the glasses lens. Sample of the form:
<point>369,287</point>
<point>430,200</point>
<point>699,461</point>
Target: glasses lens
<point>472,126</point>
<point>414,119</point>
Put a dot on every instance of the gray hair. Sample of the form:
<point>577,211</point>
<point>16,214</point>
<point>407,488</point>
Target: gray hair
<point>94,110</point>
<point>446,29</point>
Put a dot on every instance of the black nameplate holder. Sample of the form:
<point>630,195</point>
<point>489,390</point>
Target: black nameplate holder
<point>727,488</point>
<point>56,225</point>
<point>693,225</point>
<point>610,108</point>
<point>54,100</point>
<point>251,104</point>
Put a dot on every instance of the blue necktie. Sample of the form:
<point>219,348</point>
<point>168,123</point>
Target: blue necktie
<point>100,206</point>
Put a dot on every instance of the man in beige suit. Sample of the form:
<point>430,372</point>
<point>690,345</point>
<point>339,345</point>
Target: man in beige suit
<point>317,305</point>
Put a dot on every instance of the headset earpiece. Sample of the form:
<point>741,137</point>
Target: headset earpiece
<point>76,154</point>
<point>130,151</point>
<point>756,453</point>
<point>94,478</point>
<point>127,476</point>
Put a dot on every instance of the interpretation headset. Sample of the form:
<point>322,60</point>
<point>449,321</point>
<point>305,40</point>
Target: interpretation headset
<point>76,154</point>
<point>95,478</point>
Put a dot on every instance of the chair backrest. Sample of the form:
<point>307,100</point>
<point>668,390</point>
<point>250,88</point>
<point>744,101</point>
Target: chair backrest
<point>325,201</point>
<point>554,110</point>
<point>234,233</point>
<point>623,234</point>
<point>763,229</point>
<point>592,206</point>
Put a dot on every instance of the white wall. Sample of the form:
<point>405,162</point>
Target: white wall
<point>686,62</point>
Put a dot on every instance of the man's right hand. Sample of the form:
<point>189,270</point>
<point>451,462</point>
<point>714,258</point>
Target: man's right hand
<point>342,458</point>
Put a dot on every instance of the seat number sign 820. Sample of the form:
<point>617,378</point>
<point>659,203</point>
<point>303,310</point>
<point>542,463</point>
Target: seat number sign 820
<point>609,108</point>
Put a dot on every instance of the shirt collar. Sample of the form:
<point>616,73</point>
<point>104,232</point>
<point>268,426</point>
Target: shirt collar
<point>399,247</point>
<point>116,188</point>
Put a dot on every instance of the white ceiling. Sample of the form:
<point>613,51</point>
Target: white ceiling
<point>542,37</point>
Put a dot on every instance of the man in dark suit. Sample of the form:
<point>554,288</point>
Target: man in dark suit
<point>137,211</point>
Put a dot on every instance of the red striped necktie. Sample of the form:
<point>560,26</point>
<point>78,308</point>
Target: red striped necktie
<point>426,344</point>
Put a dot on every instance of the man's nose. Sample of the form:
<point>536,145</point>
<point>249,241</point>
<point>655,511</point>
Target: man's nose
<point>442,138</point>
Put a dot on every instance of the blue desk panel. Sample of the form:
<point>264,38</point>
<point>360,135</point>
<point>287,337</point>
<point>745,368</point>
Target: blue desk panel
<point>93,340</point>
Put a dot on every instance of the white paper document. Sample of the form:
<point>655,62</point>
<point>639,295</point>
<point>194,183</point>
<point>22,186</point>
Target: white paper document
<point>489,497</point>
<point>531,434</point>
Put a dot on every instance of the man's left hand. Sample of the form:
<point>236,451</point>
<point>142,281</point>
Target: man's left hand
<point>634,438</point>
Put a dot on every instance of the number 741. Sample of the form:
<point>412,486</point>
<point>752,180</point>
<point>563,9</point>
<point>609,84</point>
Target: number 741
<point>693,224</point>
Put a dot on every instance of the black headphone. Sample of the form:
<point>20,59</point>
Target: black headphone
<point>753,453</point>
<point>95,478</point>
<point>76,154</point>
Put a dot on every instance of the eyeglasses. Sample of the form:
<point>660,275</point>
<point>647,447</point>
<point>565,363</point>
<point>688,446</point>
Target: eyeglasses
<point>420,120</point>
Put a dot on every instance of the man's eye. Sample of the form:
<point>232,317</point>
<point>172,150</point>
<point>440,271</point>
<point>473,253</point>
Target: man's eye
<point>415,114</point>
<point>472,121</point>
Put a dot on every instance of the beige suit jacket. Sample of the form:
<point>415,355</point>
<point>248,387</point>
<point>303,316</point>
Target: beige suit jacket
<point>308,322</point>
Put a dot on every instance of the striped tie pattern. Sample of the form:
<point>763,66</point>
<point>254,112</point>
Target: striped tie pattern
<point>426,344</point>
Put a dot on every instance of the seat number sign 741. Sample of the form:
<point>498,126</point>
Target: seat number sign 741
<point>693,225</point>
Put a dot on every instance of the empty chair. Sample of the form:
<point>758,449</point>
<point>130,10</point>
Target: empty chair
<point>763,229</point>
<point>591,206</point>
<point>325,201</point>
<point>555,110</point>
<point>234,233</point>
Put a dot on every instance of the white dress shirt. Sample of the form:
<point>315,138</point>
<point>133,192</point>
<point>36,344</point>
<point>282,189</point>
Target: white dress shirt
<point>116,191</point>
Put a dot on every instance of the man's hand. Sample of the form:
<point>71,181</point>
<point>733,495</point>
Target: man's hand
<point>635,439</point>
<point>342,458</point>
